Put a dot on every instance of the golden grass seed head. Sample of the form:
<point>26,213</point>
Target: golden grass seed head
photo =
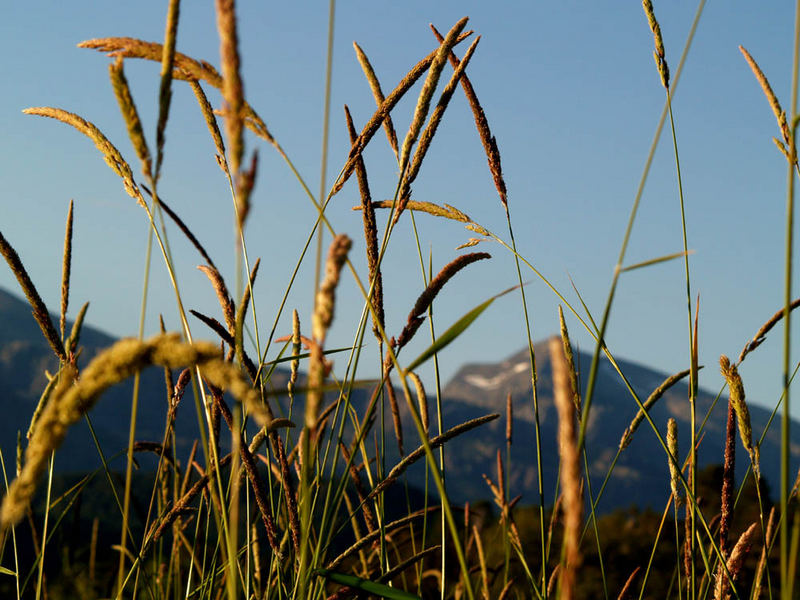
<point>323,312</point>
<point>425,95</point>
<point>127,107</point>
<point>672,446</point>
<point>737,399</point>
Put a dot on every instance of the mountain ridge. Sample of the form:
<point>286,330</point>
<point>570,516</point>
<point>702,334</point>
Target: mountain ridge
<point>640,476</point>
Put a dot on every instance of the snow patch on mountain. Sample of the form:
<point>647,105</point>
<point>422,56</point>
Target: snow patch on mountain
<point>480,381</point>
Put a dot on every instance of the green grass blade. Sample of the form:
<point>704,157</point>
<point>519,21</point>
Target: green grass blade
<point>451,334</point>
<point>379,589</point>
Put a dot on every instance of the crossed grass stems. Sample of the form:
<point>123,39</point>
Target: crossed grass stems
<point>299,564</point>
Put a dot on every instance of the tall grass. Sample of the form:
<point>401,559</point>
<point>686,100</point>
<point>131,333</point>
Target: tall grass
<point>289,494</point>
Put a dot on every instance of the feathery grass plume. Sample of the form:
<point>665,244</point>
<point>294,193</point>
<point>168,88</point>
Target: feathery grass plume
<point>211,122</point>
<point>430,130</point>
<point>509,419</point>
<point>762,562</point>
<point>762,332</point>
<point>232,89</point>
<point>658,53</point>
<point>323,314</point>
<point>779,113</point>
<point>446,211</point>
<point>625,592</point>
<point>570,469</point>
<point>435,442</point>
<point>428,87</point>
<point>571,370</point>
<point>482,125</point>
<point>69,402</point>
<point>422,400</point>
<point>377,93</point>
<point>736,561</point>
<point>127,107</point>
<point>674,472</point>
<point>184,67</point>
<point>165,87</point>
<point>734,380</point>
<point>425,299</point>
<point>66,263</point>
<point>370,233</point>
<point>398,424</point>
<point>627,436</point>
<point>225,300</point>
<point>37,305</point>
<point>110,154</point>
<point>380,114</point>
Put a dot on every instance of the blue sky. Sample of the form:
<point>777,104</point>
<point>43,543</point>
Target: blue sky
<point>572,96</point>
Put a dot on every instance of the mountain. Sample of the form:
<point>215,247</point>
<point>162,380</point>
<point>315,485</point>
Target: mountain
<point>640,477</point>
<point>24,358</point>
<point>641,474</point>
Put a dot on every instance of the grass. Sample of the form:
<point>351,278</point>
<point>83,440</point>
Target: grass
<point>301,502</point>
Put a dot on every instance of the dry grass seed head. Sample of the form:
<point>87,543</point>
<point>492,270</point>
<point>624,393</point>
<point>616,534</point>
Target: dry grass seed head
<point>127,107</point>
<point>377,93</point>
<point>370,236</point>
<point>509,419</point>
<point>571,369</point>
<point>430,130</point>
<point>66,264</point>
<point>422,400</point>
<point>570,468</point>
<point>380,114</point>
<point>225,300</point>
<point>232,88</point>
<point>627,435</point>
<point>674,471</point>
<point>110,154</point>
<point>323,312</point>
<point>40,312</point>
<point>211,122</point>
<point>737,399</point>
<point>426,93</point>
<point>482,125</point>
<point>70,402</point>
<point>165,87</point>
<point>736,561</point>
<point>762,332</point>
<point>779,113</point>
<point>424,301</point>
<point>658,54</point>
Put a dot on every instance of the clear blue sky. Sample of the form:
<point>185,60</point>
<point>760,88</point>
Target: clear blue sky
<point>572,95</point>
